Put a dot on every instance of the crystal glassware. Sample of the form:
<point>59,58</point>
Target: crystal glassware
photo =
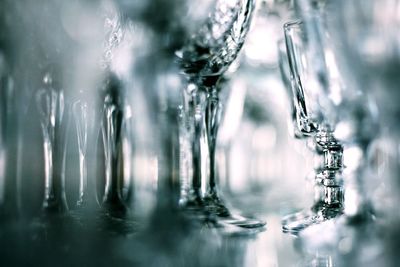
<point>113,118</point>
<point>204,59</point>
<point>308,82</point>
<point>52,110</point>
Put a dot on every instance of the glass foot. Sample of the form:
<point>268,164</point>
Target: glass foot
<point>231,227</point>
<point>217,207</point>
<point>294,223</point>
<point>213,212</point>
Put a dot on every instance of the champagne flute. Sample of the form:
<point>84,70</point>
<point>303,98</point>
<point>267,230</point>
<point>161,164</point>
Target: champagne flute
<point>312,115</point>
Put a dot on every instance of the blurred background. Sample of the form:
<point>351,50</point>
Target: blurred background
<point>97,143</point>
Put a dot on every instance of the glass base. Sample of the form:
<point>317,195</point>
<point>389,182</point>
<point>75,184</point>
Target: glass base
<point>213,212</point>
<point>233,226</point>
<point>294,223</point>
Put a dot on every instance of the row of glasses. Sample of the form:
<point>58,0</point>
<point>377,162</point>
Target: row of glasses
<point>61,93</point>
<point>99,109</point>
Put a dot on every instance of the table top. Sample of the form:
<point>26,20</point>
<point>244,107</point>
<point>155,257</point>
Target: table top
<point>170,240</point>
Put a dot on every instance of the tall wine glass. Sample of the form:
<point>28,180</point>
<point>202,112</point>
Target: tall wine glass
<point>97,109</point>
<point>356,120</point>
<point>51,105</point>
<point>204,59</point>
<point>113,117</point>
<point>314,118</point>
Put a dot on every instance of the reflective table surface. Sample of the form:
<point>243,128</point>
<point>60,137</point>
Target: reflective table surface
<point>171,240</point>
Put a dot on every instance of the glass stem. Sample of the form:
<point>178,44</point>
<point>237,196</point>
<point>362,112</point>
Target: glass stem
<point>112,141</point>
<point>329,188</point>
<point>51,108</point>
<point>212,118</point>
<point>81,123</point>
<point>197,110</point>
<point>82,179</point>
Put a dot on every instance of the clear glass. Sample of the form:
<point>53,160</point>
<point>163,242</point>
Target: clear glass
<point>308,80</point>
<point>52,111</point>
<point>204,59</point>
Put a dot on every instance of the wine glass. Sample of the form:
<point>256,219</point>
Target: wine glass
<point>204,59</point>
<point>100,121</point>
<point>313,118</point>
<point>51,106</point>
<point>357,116</point>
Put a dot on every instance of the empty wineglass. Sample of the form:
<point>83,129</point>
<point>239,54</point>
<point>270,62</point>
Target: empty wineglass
<point>111,118</point>
<point>314,118</point>
<point>204,59</point>
<point>52,110</point>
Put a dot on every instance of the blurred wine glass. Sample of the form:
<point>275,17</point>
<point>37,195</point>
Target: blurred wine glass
<point>373,58</point>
